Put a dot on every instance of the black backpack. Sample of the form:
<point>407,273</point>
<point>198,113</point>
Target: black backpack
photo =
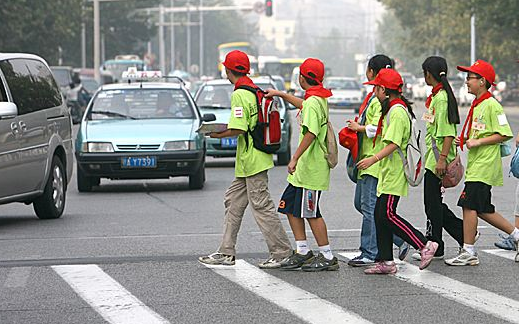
<point>266,135</point>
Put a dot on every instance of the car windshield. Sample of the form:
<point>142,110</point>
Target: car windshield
<point>342,84</point>
<point>62,76</point>
<point>141,104</point>
<point>219,96</point>
<point>90,85</point>
<point>215,96</point>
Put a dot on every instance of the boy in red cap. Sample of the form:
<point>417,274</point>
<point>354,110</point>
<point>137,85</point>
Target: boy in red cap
<point>309,173</point>
<point>251,183</point>
<point>485,128</point>
<point>394,127</point>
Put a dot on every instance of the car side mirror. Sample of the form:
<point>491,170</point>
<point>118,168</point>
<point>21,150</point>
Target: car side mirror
<point>208,117</point>
<point>8,110</point>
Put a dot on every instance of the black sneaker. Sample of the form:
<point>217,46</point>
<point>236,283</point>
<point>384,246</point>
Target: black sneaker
<point>296,260</point>
<point>320,263</point>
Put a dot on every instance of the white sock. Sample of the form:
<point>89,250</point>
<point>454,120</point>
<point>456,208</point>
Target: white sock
<point>326,251</point>
<point>302,247</point>
<point>515,234</point>
<point>469,248</point>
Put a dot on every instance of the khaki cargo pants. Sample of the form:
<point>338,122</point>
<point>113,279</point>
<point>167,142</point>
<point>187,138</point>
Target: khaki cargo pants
<point>253,190</point>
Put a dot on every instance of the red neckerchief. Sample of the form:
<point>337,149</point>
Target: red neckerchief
<point>244,81</point>
<point>393,102</point>
<point>318,91</point>
<point>468,121</point>
<point>435,90</point>
<point>365,102</point>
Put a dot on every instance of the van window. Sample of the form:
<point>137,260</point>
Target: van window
<point>31,84</point>
<point>3,94</point>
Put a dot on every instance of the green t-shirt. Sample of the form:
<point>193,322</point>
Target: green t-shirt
<point>439,129</point>
<point>484,162</point>
<point>244,115</point>
<point>312,170</point>
<point>391,179</point>
<point>373,112</point>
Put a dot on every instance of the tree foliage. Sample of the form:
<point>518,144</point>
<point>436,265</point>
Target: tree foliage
<point>443,27</point>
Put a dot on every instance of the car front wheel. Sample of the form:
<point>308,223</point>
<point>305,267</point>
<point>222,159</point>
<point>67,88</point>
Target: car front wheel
<point>51,203</point>
<point>84,183</point>
<point>196,180</point>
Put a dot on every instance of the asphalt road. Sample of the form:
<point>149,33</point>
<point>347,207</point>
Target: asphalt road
<point>127,253</point>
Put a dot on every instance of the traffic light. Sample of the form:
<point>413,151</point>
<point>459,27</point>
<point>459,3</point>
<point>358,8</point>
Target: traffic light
<point>268,8</point>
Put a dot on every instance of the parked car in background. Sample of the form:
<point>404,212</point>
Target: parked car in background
<point>409,81</point>
<point>347,92</point>
<point>36,153</point>
<point>214,97</point>
<point>141,130</point>
<point>75,95</point>
<point>420,89</point>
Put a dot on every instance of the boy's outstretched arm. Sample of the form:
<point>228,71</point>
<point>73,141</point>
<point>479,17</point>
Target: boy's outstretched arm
<point>297,102</point>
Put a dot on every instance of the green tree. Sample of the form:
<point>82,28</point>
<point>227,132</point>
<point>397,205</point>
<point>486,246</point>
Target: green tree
<point>442,27</point>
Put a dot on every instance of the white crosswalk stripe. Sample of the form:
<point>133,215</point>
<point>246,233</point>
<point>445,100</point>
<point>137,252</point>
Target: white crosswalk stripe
<point>468,295</point>
<point>112,301</point>
<point>301,303</point>
<point>510,255</point>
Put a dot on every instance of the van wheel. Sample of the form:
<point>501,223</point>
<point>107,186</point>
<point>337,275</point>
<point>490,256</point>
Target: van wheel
<point>51,203</point>
<point>84,183</point>
<point>284,157</point>
<point>196,181</point>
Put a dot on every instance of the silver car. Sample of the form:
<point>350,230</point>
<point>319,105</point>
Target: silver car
<point>36,149</point>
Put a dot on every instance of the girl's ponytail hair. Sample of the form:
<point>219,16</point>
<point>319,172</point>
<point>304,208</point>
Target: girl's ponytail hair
<point>379,62</point>
<point>437,67</point>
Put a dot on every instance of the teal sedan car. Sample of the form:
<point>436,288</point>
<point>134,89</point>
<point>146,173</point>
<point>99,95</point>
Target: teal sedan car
<point>214,97</point>
<point>141,130</point>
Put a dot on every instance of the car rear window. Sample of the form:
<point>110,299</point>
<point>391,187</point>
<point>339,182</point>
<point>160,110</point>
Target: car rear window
<point>141,104</point>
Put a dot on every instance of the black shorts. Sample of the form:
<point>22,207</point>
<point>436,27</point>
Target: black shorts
<point>292,202</point>
<point>476,196</point>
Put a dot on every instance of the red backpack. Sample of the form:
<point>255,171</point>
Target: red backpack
<point>266,135</point>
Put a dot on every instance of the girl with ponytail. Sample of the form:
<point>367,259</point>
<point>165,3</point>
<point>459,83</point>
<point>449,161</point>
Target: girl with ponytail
<point>441,118</point>
<point>394,130</point>
<point>366,189</point>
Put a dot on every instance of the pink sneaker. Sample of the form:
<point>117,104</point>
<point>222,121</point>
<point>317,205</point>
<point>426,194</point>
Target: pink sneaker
<point>383,267</point>
<point>427,254</point>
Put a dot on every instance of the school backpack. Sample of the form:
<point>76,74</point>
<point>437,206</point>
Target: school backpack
<point>266,135</point>
<point>514,164</point>
<point>414,163</point>
<point>331,152</point>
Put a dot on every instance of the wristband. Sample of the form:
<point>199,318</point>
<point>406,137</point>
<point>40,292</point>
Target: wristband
<point>376,157</point>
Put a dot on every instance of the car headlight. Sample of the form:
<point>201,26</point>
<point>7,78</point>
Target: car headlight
<point>98,147</point>
<point>179,146</point>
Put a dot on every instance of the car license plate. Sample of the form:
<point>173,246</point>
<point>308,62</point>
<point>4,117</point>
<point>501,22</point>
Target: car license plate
<point>139,162</point>
<point>230,142</point>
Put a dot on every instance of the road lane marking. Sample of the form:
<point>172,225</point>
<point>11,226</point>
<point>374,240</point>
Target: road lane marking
<point>17,277</point>
<point>111,300</point>
<point>477,298</point>
<point>299,302</point>
<point>510,255</point>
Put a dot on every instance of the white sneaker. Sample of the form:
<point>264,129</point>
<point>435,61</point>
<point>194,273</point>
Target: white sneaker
<point>464,258</point>
<point>218,259</point>
<point>270,263</point>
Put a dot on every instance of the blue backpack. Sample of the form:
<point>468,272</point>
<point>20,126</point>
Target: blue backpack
<point>514,164</point>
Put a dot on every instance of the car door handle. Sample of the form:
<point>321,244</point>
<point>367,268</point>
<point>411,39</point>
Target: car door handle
<point>14,128</point>
<point>23,126</point>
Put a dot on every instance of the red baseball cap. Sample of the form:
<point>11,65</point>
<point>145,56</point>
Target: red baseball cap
<point>482,68</point>
<point>389,79</point>
<point>349,140</point>
<point>237,61</point>
<point>313,69</point>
